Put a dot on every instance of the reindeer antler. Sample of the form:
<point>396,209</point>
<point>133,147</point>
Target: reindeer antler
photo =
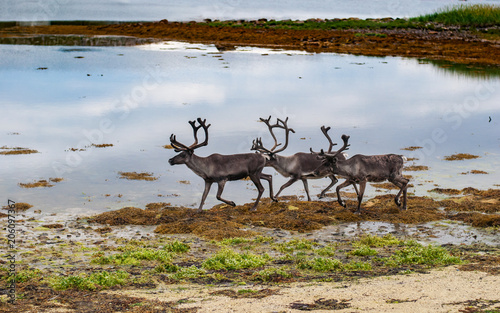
<point>257,145</point>
<point>328,154</point>
<point>182,147</point>
<point>279,124</point>
<point>345,139</point>
<point>325,130</point>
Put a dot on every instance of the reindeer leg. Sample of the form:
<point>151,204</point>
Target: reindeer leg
<point>260,188</point>
<point>306,187</point>
<point>221,185</point>
<point>204,196</point>
<point>344,184</point>
<point>269,178</point>
<point>288,183</point>
<point>355,188</point>
<point>334,181</point>
<point>362,185</point>
<point>401,183</point>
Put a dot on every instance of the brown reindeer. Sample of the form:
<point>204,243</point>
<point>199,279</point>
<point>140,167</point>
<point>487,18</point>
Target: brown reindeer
<point>360,169</point>
<point>217,168</point>
<point>300,165</point>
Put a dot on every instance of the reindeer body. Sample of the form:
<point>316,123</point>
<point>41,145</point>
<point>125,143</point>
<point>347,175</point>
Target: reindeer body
<point>361,169</point>
<point>298,166</point>
<point>301,166</point>
<point>218,168</point>
<point>382,167</point>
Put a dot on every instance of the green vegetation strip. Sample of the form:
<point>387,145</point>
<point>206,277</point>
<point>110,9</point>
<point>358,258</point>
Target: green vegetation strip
<point>237,260</point>
<point>476,15</point>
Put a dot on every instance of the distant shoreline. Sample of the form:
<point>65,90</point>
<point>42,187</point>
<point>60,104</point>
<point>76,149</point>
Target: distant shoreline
<point>453,44</point>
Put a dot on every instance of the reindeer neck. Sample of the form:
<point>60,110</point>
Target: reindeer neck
<point>342,167</point>
<point>197,165</point>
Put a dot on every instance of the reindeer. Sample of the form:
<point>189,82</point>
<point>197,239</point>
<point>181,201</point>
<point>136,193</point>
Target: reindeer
<point>217,168</point>
<point>360,169</point>
<point>298,166</point>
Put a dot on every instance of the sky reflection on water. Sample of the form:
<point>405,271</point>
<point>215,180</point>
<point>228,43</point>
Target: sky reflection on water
<point>135,97</point>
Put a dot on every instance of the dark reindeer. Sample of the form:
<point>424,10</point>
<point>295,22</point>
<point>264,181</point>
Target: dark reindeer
<point>217,168</point>
<point>360,169</point>
<point>299,165</point>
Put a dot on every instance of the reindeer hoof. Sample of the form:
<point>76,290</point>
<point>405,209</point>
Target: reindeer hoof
<point>274,199</point>
<point>398,203</point>
<point>232,203</point>
<point>343,204</point>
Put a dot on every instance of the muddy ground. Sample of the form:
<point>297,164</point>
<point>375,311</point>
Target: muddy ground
<point>445,43</point>
<point>60,245</point>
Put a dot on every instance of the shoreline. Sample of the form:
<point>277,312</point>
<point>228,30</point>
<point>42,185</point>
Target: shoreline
<point>451,44</point>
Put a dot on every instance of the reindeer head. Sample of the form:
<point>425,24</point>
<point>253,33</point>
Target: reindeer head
<point>187,152</point>
<point>330,160</point>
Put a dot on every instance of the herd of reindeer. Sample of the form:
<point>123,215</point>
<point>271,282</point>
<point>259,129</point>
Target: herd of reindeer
<point>356,170</point>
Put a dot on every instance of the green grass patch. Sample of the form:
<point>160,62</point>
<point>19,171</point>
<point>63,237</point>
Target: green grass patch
<point>475,15</point>
<point>296,244</point>
<point>94,281</point>
<point>23,276</point>
<point>177,247</point>
<point>233,241</point>
<point>167,268</point>
<point>310,24</point>
<point>133,257</point>
<point>358,266</point>
<point>191,272</point>
<point>272,274</point>
<point>415,253</point>
<point>364,251</point>
<point>328,250</point>
<point>227,259</point>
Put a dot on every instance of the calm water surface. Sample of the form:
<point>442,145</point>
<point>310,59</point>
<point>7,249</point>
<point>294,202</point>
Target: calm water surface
<point>133,10</point>
<point>58,99</point>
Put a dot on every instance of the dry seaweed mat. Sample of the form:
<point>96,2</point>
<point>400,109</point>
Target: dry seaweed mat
<point>16,150</point>
<point>223,221</point>
<point>245,293</point>
<point>321,304</point>
<point>45,299</point>
<point>41,183</point>
<point>460,156</point>
<point>137,176</point>
<point>19,207</point>
<point>478,306</point>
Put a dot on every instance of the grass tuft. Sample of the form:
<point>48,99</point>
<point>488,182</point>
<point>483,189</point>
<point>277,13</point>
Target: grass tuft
<point>99,280</point>
<point>227,259</point>
<point>415,253</point>
<point>476,15</point>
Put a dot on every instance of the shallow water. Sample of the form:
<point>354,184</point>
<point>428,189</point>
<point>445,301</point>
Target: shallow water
<point>134,10</point>
<point>59,98</point>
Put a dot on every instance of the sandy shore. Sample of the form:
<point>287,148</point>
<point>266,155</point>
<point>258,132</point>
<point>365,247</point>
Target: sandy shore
<point>442,290</point>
